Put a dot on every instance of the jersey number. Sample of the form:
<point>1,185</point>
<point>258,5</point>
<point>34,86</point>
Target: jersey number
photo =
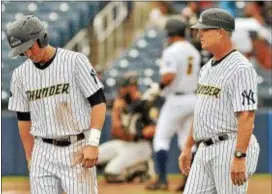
<point>93,74</point>
<point>190,65</point>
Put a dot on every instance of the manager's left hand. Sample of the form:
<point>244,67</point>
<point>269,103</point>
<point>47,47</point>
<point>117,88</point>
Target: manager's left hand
<point>238,171</point>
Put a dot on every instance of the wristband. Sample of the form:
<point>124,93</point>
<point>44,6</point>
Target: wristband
<point>93,137</point>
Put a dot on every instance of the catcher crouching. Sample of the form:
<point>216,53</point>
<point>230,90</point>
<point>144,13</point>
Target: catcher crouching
<point>129,154</point>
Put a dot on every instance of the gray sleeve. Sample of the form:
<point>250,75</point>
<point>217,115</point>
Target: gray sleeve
<point>244,89</point>
<point>86,77</point>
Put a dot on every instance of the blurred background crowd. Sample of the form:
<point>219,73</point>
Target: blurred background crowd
<point>120,37</point>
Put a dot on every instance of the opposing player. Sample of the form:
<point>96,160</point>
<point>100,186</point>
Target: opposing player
<point>60,108</point>
<point>179,72</point>
<point>224,114</point>
<point>127,155</point>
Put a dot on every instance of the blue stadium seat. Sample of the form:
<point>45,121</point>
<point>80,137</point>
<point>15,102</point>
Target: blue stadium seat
<point>57,24</point>
<point>47,7</point>
<point>73,19</point>
<point>7,17</point>
<point>86,11</point>
<point>13,7</point>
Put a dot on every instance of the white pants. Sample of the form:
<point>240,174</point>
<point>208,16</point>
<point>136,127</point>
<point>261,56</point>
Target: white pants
<point>53,170</point>
<point>121,154</point>
<point>210,171</point>
<point>175,117</point>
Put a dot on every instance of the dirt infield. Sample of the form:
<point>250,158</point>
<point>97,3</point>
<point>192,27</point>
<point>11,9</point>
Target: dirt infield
<point>261,184</point>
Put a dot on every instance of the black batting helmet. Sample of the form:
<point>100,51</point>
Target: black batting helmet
<point>175,27</point>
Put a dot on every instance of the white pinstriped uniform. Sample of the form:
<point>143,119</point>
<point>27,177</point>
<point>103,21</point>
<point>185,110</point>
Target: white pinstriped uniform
<point>223,89</point>
<point>56,98</point>
<point>182,59</point>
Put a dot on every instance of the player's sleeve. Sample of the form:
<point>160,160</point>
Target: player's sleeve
<point>168,63</point>
<point>86,77</point>
<point>244,90</point>
<point>18,100</point>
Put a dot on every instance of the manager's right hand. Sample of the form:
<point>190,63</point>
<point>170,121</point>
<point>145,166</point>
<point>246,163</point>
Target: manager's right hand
<point>185,160</point>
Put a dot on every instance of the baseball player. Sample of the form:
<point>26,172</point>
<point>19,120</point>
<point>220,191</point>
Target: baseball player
<point>60,107</point>
<point>224,114</point>
<point>126,156</point>
<point>179,71</point>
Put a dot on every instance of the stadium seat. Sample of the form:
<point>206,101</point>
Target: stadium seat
<point>143,56</point>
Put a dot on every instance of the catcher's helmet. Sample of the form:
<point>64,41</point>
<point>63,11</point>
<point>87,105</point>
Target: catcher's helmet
<point>215,18</point>
<point>23,32</point>
<point>175,27</point>
<point>129,78</point>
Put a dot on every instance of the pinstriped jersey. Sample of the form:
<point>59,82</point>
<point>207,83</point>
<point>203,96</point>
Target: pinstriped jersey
<point>55,96</point>
<point>223,90</point>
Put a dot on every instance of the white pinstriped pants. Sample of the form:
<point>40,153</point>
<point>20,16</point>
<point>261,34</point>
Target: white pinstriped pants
<point>210,171</point>
<point>52,170</point>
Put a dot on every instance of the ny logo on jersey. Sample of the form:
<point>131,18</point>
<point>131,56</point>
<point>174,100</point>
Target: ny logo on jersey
<point>249,97</point>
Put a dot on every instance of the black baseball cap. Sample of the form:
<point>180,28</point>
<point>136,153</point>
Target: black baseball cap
<point>215,18</point>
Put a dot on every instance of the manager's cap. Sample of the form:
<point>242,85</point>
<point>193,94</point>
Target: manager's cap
<point>215,18</point>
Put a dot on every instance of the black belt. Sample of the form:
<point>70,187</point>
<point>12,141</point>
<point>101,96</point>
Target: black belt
<point>209,142</point>
<point>183,93</point>
<point>179,93</point>
<point>63,141</point>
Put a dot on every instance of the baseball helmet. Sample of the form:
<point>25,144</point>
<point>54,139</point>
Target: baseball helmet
<point>215,18</point>
<point>175,27</point>
<point>23,32</point>
<point>129,78</point>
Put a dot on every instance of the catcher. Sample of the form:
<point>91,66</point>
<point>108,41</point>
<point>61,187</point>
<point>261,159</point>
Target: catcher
<point>133,125</point>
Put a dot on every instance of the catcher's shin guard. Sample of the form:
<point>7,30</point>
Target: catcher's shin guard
<point>138,170</point>
<point>114,178</point>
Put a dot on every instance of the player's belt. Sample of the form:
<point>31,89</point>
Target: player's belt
<point>64,141</point>
<point>212,141</point>
<point>179,93</point>
<point>184,93</point>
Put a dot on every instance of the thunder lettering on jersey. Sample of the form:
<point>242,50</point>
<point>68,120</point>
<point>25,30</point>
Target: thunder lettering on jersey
<point>223,90</point>
<point>55,94</point>
<point>48,91</point>
<point>208,90</point>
